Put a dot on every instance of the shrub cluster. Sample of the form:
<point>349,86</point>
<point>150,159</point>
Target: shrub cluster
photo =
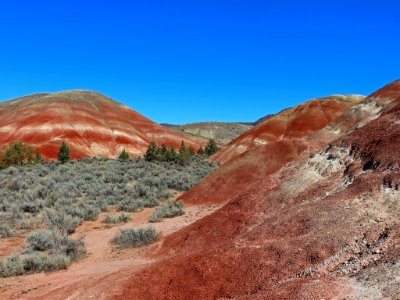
<point>47,250</point>
<point>57,197</point>
<point>117,218</point>
<point>169,209</point>
<point>162,153</point>
<point>19,153</point>
<point>62,196</point>
<point>130,237</point>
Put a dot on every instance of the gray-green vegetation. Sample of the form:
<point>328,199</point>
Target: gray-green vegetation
<point>117,218</point>
<point>131,237</point>
<point>169,209</point>
<point>47,201</point>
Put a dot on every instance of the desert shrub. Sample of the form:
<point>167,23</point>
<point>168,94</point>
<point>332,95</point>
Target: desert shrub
<point>129,205</point>
<point>61,221</point>
<point>117,218</point>
<point>169,209</point>
<point>5,231</point>
<point>135,237</point>
<point>16,264</point>
<point>55,242</point>
<point>43,262</point>
<point>44,240</point>
<point>11,266</point>
<point>62,196</point>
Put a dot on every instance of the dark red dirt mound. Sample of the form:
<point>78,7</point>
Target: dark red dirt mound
<point>293,123</point>
<point>268,147</point>
<point>316,229</point>
<point>91,124</point>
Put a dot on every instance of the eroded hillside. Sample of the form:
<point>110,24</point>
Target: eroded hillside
<point>90,123</point>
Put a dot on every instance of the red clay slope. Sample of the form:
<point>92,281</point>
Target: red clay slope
<point>267,148</point>
<point>91,124</point>
<point>325,226</point>
<point>293,123</point>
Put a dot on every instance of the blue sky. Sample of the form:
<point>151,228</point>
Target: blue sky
<point>185,61</point>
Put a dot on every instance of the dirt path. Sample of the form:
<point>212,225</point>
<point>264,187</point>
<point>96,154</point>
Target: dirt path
<point>103,258</point>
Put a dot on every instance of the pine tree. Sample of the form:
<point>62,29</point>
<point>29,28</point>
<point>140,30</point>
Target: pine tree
<point>18,154</point>
<point>192,152</point>
<point>184,155</point>
<point>152,152</point>
<point>200,151</point>
<point>123,155</point>
<point>164,153</point>
<point>38,158</point>
<point>172,153</point>
<point>63,154</point>
<point>211,147</point>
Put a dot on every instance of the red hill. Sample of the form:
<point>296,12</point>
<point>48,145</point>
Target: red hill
<point>266,148</point>
<point>293,123</point>
<point>325,226</point>
<point>90,123</point>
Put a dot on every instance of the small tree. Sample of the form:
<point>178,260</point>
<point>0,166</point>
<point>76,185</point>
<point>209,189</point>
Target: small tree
<point>192,152</point>
<point>211,147</point>
<point>184,155</point>
<point>200,151</point>
<point>164,153</point>
<point>17,154</point>
<point>63,154</point>
<point>151,152</point>
<point>38,157</point>
<point>123,155</point>
<point>171,154</point>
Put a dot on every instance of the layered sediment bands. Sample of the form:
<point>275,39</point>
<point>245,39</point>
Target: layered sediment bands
<point>293,123</point>
<point>90,123</point>
<point>324,226</point>
<point>267,147</point>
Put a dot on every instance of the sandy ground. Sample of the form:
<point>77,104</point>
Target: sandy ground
<point>102,259</point>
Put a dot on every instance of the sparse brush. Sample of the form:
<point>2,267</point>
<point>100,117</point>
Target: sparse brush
<point>131,237</point>
<point>117,218</point>
<point>5,231</point>
<point>16,264</point>
<point>169,209</point>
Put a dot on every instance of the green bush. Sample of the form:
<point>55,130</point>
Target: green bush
<point>17,153</point>
<point>16,264</point>
<point>169,209</point>
<point>55,242</point>
<point>211,147</point>
<point>131,237</point>
<point>5,231</point>
<point>117,218</point>
<point>43,240</point>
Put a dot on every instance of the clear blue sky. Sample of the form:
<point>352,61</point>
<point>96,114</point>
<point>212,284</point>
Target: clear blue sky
<point>185,61</point>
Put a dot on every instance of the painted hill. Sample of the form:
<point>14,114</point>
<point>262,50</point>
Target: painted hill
<point>266,148</point>
<point>92,125</point>
<point>221,132</point>
<point>289,124</point>
<point>325,226</point>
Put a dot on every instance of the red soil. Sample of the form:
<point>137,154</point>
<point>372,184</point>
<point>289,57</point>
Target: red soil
<point>326,226</point>
<point>103,259</point>
<point>294,123</point>
<point>266,148</point>
<point>296,234</point>
<point>91,124</point>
